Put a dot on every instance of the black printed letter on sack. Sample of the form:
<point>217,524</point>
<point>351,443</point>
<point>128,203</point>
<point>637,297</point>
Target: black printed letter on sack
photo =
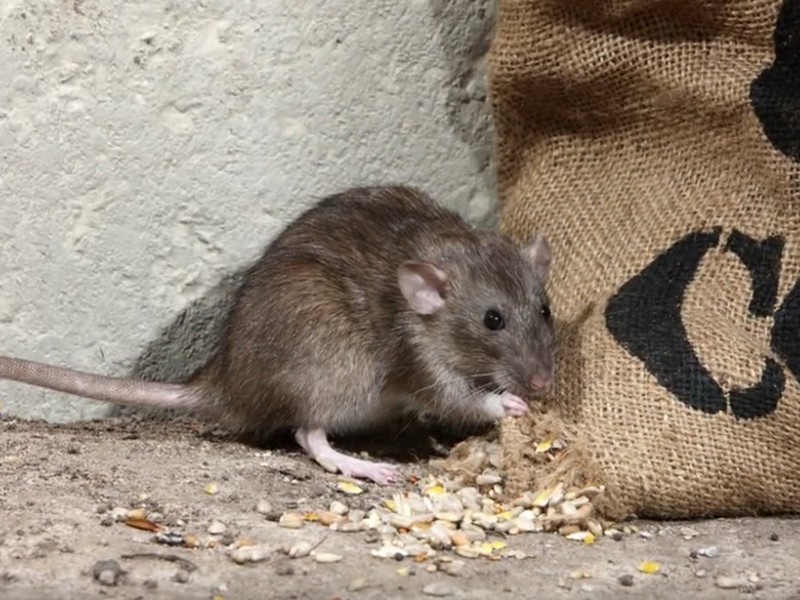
<point>645,318</point>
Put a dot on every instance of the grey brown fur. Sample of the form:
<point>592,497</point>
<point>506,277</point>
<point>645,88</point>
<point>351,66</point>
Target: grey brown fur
<point>324,337</point>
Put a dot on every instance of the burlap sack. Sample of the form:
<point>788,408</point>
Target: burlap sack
<point>657,144</point>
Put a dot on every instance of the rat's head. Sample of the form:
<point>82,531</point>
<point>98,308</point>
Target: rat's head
<point>483,308</point>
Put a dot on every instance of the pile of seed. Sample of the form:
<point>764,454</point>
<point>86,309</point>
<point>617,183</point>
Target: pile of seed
<point>460,514</point>
<point>463,514</point>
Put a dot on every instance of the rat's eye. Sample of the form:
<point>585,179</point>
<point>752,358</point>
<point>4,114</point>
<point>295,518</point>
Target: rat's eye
<point>545,310</point>
<point>493,320</point>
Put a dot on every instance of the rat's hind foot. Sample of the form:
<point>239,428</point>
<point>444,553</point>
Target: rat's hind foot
<point>315,443</point>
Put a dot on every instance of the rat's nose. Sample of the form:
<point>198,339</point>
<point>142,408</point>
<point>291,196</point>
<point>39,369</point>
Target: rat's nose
<point>541,382</point>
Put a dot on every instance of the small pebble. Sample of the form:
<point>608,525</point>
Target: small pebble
<point>181,576</point>
<point>626,580</point>
<point>357,584</point>
<point>107,572</point>
<point>773,537</point>
<point>439,589</point>
<point>216,528</point>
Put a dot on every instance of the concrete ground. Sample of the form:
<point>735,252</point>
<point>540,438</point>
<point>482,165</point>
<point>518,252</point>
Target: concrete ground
<point>59,485</point>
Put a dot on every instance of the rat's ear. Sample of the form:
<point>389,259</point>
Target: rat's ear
<point>422,285</point>
<point>538,254</point>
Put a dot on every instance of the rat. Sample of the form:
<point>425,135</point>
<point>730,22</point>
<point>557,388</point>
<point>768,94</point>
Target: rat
<point>375,302</point>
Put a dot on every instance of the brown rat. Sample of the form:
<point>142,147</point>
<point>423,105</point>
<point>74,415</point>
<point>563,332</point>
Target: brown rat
<point>375,301</point>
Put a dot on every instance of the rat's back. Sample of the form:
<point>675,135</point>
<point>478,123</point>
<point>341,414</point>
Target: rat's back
<point>321,305</point>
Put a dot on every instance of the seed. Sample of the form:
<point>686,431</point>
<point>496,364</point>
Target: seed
<point>300,550</point>
<point>251,554</point>
<point>436,489</point>
<point>505,526</point>
<point>401,521</point>
<point>581,536</point>
<point>452,567</point>
<point>595,528</point>
<point>338,508</point>
<point>328,518</point>
<point>356,516</point>
<point>568,509</point>
<point>466,552</point>
<point>484,521</point>
<point>450,517</point>
<point>348,487</point>
<point>216,528</point>
<point>137,513</point>
<point>590,491</point>
<point>357,584</point>
<point>475,534</point>
<point>729,583</point>
<point>348,526</point>
<point>557,496</point>
<point>488,479</point>
<point>264,507</point>
<point>525,525</point>
<point>649,567</point>
<point>389,551</point>
<point>291,521</point>
<point>327,557</point>
<point>709,552</point>
<point>568,530</point>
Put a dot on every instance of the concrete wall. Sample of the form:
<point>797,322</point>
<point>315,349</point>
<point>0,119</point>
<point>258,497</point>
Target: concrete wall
<point>150,149</point>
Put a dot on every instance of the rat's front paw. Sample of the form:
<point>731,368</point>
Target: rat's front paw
<point>513,406</point>
<point>506,404</point>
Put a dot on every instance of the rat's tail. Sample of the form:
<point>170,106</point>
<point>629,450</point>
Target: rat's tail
<point>132,392</point>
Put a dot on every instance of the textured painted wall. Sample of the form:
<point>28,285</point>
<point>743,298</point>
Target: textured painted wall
<point>150,149</point>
